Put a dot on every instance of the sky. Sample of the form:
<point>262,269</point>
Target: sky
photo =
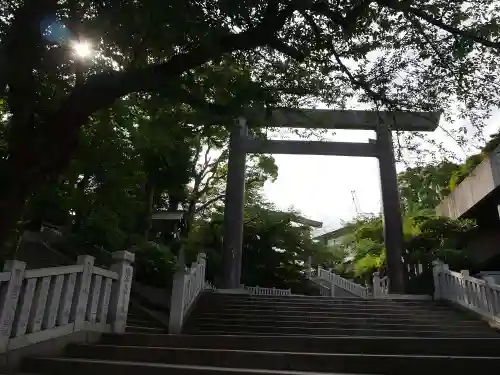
<point>320,186</point>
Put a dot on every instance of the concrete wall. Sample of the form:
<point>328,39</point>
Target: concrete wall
<point>482,181</point>
<point>485,245</point>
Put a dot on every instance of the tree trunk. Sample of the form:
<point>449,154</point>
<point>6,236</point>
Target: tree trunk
<point>12,199</point>
<point>149,190</point>
<point>80,193</point>
<point>37,157</point>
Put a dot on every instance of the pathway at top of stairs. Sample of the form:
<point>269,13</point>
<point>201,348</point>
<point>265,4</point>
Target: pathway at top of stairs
<point>249,335</point>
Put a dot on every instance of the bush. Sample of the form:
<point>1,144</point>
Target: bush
<point>154,264</point>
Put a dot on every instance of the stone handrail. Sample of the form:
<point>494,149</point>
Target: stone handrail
<point>42,304</point>
<point>481,296</point>
<point>259,291</point>
<point>339,281</point>
<point>380,285</point>
<point>209,285</point>
<point>187,286</point>
<point>333,279</point>
<point>325,291</point>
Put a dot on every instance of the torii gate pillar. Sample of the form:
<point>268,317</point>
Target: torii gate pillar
<point>234,206</point>
<point>393,222</point>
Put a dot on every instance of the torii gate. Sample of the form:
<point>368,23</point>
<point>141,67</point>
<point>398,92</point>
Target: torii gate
<point>382,122</point>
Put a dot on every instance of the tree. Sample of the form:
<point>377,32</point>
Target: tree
<point>209,175</point>
<point>275,249</point>
<point>391,53</point>
<point>427,238</point>
<point>423,188</point>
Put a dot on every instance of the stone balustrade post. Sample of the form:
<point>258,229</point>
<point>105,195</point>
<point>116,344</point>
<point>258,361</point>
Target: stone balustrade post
<point>332,290</point>
<point>82,290</point>
<point>376,285</point>
<point>120,292</point>
<point>309,267</point>
<point>438,267</point>
<point>177,296</point>
<point>10,297</point>
<point>490,296</point>
<point>202,260</point>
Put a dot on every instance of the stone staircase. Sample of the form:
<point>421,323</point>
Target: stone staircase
<point>230,334</point>
<point>139,322</point>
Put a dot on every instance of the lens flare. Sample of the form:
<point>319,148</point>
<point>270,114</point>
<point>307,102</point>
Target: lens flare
<point>82,49</point>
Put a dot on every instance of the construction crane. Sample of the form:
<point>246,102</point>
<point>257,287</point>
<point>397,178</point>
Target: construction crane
<point>356,202</point>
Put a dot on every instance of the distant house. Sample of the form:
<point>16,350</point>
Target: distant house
<point>335,237</point>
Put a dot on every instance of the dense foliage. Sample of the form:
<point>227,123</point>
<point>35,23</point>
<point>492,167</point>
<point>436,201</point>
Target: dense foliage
<point>275,248</point>
<point>427,238</point>
<point>97,143</point>
<point>208,61</point>
<point>423,187</point>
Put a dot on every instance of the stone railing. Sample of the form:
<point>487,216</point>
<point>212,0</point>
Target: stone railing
<point>42,304</point>
<point>187,286</point>
<point>380,285</point>
<point>334,280</point>
<point>259,291</point>
<point>479,295</point>
<point>340,282</point>
<point>325,291</point>
<point>209,285</point>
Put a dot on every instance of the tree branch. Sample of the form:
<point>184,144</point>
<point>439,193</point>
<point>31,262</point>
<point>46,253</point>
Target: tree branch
<point>373,94</point>
<point>287,50</point>
<point>21,52</point>
<point>205,205</point>
<point>101,90</point>
<point>406,8</point>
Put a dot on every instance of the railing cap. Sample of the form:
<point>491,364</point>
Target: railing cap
<point>85,259</point>
<point>124,255</point>
<point>10,265</point>
<point>489,280</point>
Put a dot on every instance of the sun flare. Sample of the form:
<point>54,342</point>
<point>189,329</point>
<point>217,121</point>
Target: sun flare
<point>82,49</point>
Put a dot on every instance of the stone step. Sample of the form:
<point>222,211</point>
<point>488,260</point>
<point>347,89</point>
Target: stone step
<point>329,312</point>
<point>314,304</point>
<point>61,366</point>
<point>313,299</point>
<point>142,329</point>
<point>136,322</point>
<point>279,361</point>
<point>325,317</point>
<point>136,316</point>
<point>319,309</point>
<point>366,345</point>
<point>339,323</point>
<point>221,329</point>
